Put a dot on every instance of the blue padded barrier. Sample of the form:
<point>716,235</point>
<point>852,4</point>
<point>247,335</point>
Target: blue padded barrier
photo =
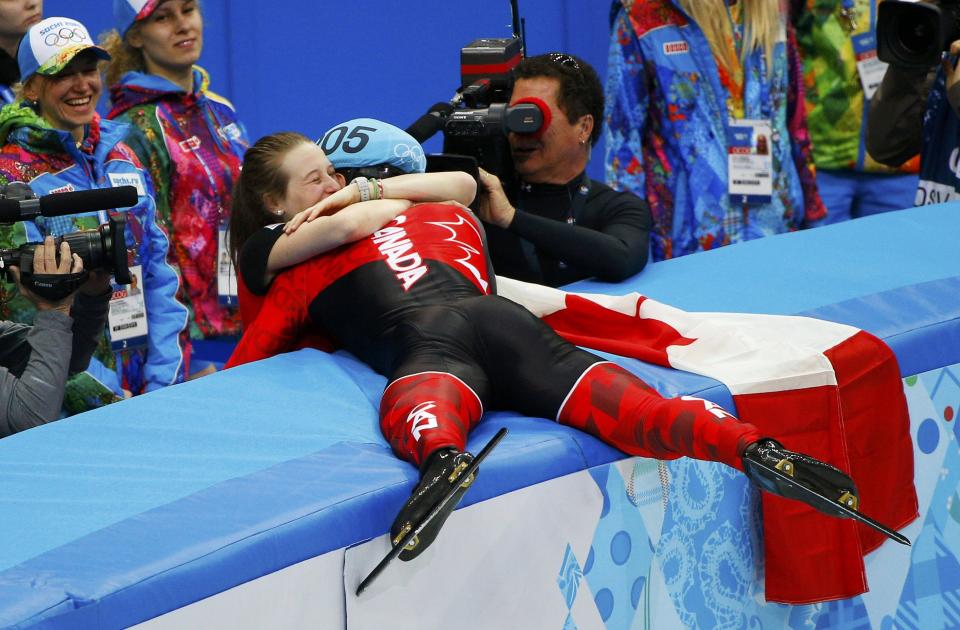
<point>133,510</point>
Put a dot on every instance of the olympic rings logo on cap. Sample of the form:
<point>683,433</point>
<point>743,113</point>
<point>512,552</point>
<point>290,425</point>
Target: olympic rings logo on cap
<point>65,36</point>
<point>407,151</point>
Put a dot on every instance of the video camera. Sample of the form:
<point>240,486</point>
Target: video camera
<point>914,35</point>
<point>476,121</point>
<point>102,248</point>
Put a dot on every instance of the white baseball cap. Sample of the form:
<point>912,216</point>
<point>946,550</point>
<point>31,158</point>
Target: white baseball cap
<point>48,46</point>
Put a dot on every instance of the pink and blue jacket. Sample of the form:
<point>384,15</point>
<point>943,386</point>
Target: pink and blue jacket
<point>192,144</point>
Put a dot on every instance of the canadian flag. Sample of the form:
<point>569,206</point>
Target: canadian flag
<point>825,389</point>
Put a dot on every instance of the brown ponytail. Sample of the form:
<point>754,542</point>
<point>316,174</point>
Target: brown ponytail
<point>261,175</point>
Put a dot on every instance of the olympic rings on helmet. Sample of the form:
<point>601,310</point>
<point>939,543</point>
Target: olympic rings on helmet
<point>413,153</point>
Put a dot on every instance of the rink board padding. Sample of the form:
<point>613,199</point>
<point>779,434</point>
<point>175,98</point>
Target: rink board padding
<point>135,510</point>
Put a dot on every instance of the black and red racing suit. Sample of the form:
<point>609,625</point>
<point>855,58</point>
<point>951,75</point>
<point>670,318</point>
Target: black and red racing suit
<point>415,301</point>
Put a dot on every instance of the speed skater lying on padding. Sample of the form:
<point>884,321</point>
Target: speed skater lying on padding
<point>408,289</point>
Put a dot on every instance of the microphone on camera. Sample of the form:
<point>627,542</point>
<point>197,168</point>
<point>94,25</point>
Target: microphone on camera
<point>430,123</point>
<point>24,208</point>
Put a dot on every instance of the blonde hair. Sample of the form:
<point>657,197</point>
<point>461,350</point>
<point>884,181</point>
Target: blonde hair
<point>126,58</point>
<point>761,17</point>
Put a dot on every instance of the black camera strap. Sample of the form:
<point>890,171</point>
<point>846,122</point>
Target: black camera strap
<point>53,286</point>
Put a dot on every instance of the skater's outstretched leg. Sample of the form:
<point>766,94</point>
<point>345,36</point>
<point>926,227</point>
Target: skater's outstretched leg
<point>426,418</point>
<point>622,410</point>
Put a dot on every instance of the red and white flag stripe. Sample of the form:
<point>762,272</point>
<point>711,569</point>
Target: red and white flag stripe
<point>826,389</point>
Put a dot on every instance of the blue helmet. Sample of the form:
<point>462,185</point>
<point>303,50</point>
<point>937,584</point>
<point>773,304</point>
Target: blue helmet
<point>363,142</point>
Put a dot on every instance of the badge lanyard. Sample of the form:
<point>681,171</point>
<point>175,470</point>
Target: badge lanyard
<point>226,273</point>
<point>750,140</point>
<point>579,200</point>
<point>736,105</point>
<point>127,318</point>
<point>869,66</point>
<point>223,265</point>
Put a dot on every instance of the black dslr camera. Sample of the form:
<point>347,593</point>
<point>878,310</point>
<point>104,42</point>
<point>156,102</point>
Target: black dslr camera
<point>102,248</point>
<point>475,123</point>
<point>914,35</point>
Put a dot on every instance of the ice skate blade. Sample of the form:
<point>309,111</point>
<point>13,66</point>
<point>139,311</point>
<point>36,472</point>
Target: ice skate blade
<point>414,531</point>
<point>841,504</point>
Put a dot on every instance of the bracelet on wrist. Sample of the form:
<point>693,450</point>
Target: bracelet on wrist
<point>363,185</point>
<point>380,188</point>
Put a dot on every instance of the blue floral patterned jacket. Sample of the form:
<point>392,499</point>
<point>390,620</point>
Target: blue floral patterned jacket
<point>667,125</point>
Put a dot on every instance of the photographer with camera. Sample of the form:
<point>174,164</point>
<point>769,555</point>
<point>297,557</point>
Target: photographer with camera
<point>35,360</point>
<point>554,224</point>
<point>54,141</point>
<point>917,106</point>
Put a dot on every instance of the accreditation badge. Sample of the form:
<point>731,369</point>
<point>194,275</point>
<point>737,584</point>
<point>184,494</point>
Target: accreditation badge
<point>127,320</point>
<point>750,161</point>
<point>226,273</point>
<point>869,66</point>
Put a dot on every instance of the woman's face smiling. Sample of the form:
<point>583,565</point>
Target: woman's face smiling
<point>311,178</point>
<point>171,38</point>
<point>68,100</point>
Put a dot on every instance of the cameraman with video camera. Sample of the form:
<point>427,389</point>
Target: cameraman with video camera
<point>917,106</point>
<point>554,224</point>
<point>35,361</point>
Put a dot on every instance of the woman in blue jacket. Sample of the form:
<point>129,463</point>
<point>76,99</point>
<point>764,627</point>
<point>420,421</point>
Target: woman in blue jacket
<point>54,141</point>
<point>706,120</point>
